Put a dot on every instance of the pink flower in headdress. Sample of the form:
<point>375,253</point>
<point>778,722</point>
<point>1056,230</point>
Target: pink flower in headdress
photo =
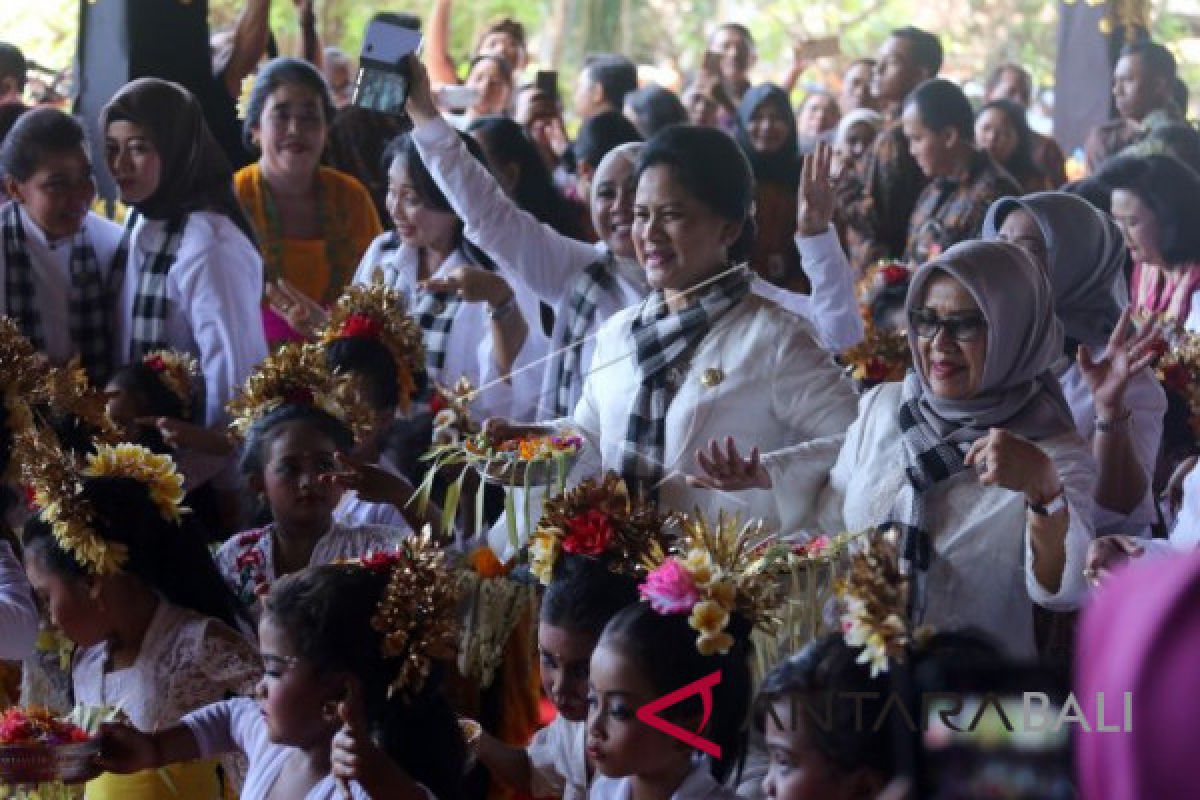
<point>670,589</point>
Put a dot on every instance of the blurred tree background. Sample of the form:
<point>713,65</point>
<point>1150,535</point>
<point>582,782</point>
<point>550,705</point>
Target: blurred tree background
<point>669,35</point>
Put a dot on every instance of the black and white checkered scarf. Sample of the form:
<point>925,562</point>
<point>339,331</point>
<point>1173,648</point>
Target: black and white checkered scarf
<point>150,302</point>
<point>662,340</point>
<point>578,322</point>
<point>89,306</point>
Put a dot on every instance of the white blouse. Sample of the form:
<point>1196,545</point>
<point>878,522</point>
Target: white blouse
<point>51,262</point>
<point>214,294</point>
<point>247,560</point>
<point>698,785</point>
<point>470,346</point>
<point>558,760</point>
<point>1146,400</point>
<point>18,611</point>
<point>186,661</point>
<point>549,263</point>
<point>982,571</point>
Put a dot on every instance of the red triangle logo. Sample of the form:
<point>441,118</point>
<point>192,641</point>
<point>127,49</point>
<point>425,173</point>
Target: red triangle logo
<point>703,687</point>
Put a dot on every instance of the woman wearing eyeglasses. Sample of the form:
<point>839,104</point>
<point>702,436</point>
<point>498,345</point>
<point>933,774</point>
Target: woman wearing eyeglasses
<point>973,458</point>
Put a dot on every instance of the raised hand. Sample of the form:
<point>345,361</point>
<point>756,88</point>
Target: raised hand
<point>372,483</point>
<point>1013,462</point>
<point>1128,351</point>
<point>472,284</point>
<point>724,468</point>
<point>300,311</point>
<point>815,200</point>
<point>188,436</point>
<point>1106,553</point>
<point>421,105</point>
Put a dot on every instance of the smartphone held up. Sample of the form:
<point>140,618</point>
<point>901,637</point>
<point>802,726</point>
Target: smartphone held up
<point>384,74</point>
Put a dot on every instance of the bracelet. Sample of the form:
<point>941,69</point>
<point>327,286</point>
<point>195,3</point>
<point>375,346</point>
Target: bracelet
<point>1050,507</point>
<point>504,309</point>
<point>1112,425</point>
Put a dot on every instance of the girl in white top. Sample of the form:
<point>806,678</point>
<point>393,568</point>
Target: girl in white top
<point>290,457</point>
<point>583,595</point>
<point>585,283</point>
<point>137,592</point>
<point>57,256</point>
<point>341,711</point>
<point>974,457</point>
<point>192,279</point>
<point>476,324</point>
<point>1117,403</point>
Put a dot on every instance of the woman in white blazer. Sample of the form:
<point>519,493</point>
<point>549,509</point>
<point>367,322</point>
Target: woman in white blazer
<point>974,457</point>
<point>701,354</point>
<point>588,283</point>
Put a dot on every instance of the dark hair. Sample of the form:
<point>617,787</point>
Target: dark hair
<point>712,167</point>
<point>739,29</point>
<point>506,69</point>
<point>616,75</point>
<point>783,165</point>
<point>663,649</point>
<point>357,139</point>
<point>1171,190</point>
<point>585,594</point>
<point>13,64</point>
<point>155,398</point>
<point>196,174</point>
<point>1093,191</point>
<point>997,75</point>
<point>35,134</point>
<point>1180,94</point>
<point>327,613</point>
<point>506,25</point>
<point>262,433</point>
<point>655,108</point>
<point>926,47</point>
<point>505,142</point>
<point>171,558</point>
<point>9,114</point>
<point>1157,59</point>
<point>405,147</point>
<point>819,677</point>
<point>941,104</point>
<point>601,134</point>
<point>1020,163</point>
<point>372,363</point>
<point>279,72</point>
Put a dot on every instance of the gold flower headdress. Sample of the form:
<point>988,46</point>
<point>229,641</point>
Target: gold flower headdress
<point>597,518</point>
<point>58,493</point>
<point>31,387</point>
<point>713,574</point>
<point>378,312</point>
<point>177,371</point>
<point>297,373</point>
<point>418,613</point>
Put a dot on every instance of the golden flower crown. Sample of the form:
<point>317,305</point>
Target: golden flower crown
<point>297,374</point>
<point>177,371</point>
<point>378,312</point>
<point>57,486</point>
<point>599,519</point>
<point>418,613</point>
<point>31,386</point>
<point>712,574</point>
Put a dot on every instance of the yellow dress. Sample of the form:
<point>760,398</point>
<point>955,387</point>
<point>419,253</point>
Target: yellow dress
<point>321,268</point>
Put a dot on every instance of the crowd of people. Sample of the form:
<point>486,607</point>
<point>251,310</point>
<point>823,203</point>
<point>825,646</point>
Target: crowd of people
<point>218,408</point>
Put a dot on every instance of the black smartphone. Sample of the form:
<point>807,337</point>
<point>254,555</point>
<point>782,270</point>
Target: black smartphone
<point>384,76</point>
<point>547,84</point>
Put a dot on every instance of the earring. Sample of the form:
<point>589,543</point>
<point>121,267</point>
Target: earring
<point>329,710</point>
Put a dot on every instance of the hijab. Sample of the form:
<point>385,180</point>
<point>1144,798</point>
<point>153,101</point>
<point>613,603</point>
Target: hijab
<point>1018,390</point>
<point>196,174</point>
<point>1140,635</point>
<point>782,166</point>
<point>1086,260</point>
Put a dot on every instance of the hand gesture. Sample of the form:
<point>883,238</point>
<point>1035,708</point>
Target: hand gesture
<point>472,284</point>
<point>124,749</point>
<point>1106,553</point>
<point>182,435</point>
<point>372,483</point>
<point>1127,352</point>
<point>354,756</point>
<point>1172,494</point>
<point>815,201</point>
<point>726,469</point>
<point>300,311</point>
<point>421,105</point>
<point>1013,462</point>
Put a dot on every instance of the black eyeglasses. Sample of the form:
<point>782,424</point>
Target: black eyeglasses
<point>961,327</point>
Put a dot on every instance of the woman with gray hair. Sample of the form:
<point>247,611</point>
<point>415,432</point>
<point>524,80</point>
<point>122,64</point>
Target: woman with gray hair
<point>973,457</point>
<point>854,136</point>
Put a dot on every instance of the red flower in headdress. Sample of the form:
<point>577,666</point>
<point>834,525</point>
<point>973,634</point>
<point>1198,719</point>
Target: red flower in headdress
<point>589,533</point>
<point>361,325</point>
<point>381,561</point>
<point>155,362</point>
<point>894,274</point>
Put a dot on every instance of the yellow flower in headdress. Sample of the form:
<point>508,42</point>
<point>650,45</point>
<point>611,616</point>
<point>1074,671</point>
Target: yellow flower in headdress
<point>157,472</point>
<point>543,553</point>
<point>709,617</point>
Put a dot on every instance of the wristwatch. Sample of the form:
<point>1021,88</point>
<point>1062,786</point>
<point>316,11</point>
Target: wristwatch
<point>1051,507</point>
